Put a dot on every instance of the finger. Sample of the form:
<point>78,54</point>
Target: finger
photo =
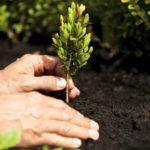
<point>51,65</point>
<point>51,83</point>
<point>73,121</point>
<point>51,108</point>
<point>40,64</point>
<point>58,140</point>
<point>72,117</point>
<point>73,90</point>
<point>73,93</point>
<point>53,105</point>
<point>68,130</point>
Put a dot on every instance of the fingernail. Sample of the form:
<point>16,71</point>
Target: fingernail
<point>94,125</point>
<point>94,134</point>
<point>61,83</point>
<point>77,143</point>
<point>77,90</point>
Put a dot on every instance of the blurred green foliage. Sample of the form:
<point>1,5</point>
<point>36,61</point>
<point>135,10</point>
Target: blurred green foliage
<point>25,17</point>
<point>9,139</point>
<point>139,11</point>
<point>125,24</point>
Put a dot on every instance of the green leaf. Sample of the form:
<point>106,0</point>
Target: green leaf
<point>90,49</point>
<point>134,13</point>
<point>65,34</point>
<point>69,27</point>
<point>38,6</point>
<point>78,28</point>
<point>125,1</point>
<point>3,7</point>
<point>18,28</point>
<point>70,15</point>
<point>45,147</point>
<point>83,64</point>
<point>73,38</point>
<point>86,19</point>
<point>87,40</point>
<point>73,7</point>
<point>58,148</point>
<point>61,54</point>
<point>86,49</point>
<point>31,11</point>
<point>147,2</point>
<point>56,40</point>
<point>86,56</point>
<point>134,7</point>
<point>62,20</point>
<point>9,139</point>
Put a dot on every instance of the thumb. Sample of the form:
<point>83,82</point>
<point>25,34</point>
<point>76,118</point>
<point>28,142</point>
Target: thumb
<point>51,83</point>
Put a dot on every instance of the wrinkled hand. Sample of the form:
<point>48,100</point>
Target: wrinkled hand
<point>44,120</point>
<point>35,72</point>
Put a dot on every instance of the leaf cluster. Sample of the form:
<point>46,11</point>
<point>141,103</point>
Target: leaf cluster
<point>72,41</point>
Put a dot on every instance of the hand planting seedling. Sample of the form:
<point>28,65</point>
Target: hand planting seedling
<point>72,41</point>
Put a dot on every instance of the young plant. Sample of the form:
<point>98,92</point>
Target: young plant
<point>72,41</point>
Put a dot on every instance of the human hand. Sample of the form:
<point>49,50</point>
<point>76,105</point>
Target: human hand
<point>35,72</point>
<point>44,120</point>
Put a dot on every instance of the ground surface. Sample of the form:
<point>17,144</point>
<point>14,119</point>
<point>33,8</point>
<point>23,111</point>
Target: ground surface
<point>117,99</point>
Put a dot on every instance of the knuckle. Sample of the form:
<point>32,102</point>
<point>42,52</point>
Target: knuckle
<point>66,129</point>
<point>26,84</point>
<point>44,56</point>
<point>71,116</point>
<point>55,142</point>
<point>26,55</point>
<point>34,97</point>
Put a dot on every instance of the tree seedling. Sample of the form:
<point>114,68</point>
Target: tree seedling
<point>72,41</point>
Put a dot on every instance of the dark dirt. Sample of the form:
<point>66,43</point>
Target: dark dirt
<point>118,99</point>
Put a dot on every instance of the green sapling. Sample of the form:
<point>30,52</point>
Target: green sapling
<point>72,41</point>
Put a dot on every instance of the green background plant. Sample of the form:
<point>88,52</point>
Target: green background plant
<point>124,28</point>
<point>26,17</point>
<point>9,139</point>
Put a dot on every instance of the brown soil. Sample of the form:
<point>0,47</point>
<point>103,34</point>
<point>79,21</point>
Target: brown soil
<point>117,99</point>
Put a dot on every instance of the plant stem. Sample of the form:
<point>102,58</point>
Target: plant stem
<point>67,79</point>
<point>67,87</point>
